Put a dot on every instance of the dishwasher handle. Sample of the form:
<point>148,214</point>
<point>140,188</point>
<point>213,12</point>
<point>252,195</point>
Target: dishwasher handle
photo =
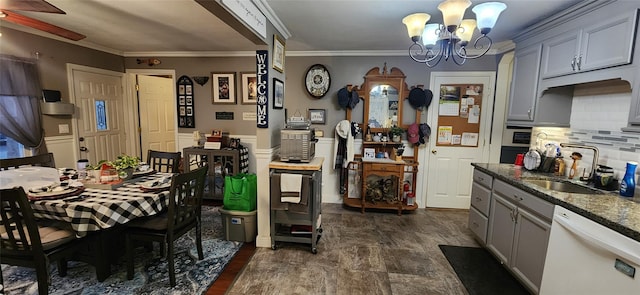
<point>591,239</point>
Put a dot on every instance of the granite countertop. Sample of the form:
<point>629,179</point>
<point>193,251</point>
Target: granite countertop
<point>608,208</point>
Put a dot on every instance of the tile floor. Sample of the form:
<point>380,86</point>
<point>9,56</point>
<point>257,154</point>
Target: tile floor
<point>371,253</point>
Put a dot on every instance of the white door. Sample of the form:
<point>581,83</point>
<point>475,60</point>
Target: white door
<point>100,122</point>
<point>449,171</point>
<point>157,114</point>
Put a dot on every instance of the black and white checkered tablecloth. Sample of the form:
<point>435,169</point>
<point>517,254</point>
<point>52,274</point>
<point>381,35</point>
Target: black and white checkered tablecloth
<point>101,209</point>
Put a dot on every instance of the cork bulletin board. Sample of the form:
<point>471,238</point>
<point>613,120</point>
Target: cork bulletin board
<point>459,115</point>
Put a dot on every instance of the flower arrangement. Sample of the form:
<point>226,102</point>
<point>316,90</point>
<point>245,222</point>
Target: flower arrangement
<point>125,161</point>
<point>121,164</point>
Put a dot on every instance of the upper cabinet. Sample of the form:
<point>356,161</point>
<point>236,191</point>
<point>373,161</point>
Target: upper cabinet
<point>524,84</point>
<point>528,107</point>
<point>588,42</point>
<point>590,48</point>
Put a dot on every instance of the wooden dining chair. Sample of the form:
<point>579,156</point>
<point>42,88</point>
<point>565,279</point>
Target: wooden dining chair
<point>164,161</point>
<point>25,243</point>
<point>183,215</point>
<point>43,160</point>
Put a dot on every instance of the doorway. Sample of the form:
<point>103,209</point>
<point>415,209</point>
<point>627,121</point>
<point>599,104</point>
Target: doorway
<point>152,95</point>
<point>460,118</point>
<point>100,122</point>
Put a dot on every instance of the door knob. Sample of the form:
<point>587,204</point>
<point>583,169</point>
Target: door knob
<point>83,149</point>
<point>434,152</point>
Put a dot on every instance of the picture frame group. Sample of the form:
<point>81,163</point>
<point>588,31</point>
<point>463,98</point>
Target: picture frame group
<point>223,88</point>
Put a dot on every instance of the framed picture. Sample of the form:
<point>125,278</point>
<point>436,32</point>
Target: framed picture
<point>317,116</point>
<point>278,53</point>
<point>189,100</point>
<point>224,86</point>
<point>248,86</point>
<point>181,99</point>
<point>278,94</point>
<point>369,153</point>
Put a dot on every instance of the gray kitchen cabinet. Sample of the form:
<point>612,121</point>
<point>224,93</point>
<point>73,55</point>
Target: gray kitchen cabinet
<point>518,234</point>
<point>589,48</point>
<point>530,248</point>
<point>634,109</point>
<point>501,228</point>
<point>524,85</point>
<point>527,105</point>
<point>480,203</point>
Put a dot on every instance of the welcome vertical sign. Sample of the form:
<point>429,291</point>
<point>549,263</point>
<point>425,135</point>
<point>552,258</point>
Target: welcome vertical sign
<point>262,76</point>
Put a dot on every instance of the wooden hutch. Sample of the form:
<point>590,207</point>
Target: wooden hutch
<point>381,174</point>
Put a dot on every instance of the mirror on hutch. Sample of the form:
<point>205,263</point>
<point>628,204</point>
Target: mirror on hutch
<point>387,180</point>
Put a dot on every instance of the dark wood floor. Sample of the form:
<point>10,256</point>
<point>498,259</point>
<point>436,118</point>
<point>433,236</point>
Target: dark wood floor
<point>228,276</point>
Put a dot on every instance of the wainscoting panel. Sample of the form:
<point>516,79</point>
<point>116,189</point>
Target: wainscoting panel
<point>63,150</point>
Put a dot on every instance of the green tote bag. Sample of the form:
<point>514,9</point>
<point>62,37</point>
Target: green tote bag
<point>240,192</point>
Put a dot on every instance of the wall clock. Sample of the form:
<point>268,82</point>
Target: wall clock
<point>317,80</point>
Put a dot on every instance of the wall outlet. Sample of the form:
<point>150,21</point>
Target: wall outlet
<point>63,128</point>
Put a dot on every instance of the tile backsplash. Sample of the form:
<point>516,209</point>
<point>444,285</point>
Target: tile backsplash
<point>596,120</point>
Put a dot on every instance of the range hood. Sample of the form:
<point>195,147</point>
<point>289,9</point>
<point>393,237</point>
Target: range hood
<point>57,108</point>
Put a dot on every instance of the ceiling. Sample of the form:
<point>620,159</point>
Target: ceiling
<point>135,26</point>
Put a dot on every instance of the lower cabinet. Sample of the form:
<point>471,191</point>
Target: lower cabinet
<point>518,233</point>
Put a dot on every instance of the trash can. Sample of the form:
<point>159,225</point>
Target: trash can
<point>239,225</point>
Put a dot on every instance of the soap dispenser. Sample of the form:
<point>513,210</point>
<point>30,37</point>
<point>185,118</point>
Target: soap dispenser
<point>628,183</point>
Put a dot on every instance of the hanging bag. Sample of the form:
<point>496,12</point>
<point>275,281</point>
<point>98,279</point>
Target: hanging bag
<point>240,192</point>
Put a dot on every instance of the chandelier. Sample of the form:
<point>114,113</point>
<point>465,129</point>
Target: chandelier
<point>434,42</point>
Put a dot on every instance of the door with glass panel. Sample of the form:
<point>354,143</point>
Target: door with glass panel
<point>101,114</point>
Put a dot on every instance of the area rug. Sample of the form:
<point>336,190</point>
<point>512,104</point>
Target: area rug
<point>193,276</point>
<point>481,273</point>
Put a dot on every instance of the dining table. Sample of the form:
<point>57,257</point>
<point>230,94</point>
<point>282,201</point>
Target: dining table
<point>96,209</point>
<point>101,214</point>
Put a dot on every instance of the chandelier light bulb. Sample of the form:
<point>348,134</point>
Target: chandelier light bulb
<point>452,12</point>
<point>487,15</point>
<point>465,32</point>
<point>415,24</point>
<point>430,35</point>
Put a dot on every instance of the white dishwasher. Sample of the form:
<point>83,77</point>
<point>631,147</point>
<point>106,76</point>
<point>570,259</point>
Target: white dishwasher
<point>585,257</point>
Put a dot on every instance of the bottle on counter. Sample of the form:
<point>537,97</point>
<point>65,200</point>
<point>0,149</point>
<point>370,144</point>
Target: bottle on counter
<point>558,167</point>
<point>628,182</point>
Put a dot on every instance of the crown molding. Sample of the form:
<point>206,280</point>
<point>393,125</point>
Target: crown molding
<point>561,17</point>
<point>190,53</point>
<point>273,18</point>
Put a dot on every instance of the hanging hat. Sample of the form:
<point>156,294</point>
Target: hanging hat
<point>424,132</point>
<point>413,135</point>
<point>343,129</point>
<point>354,98</point>
<point>343,97</point>
<point>417,98</point>
<point>429,97</point>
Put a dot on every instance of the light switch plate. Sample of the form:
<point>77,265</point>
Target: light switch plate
<point>63,128</point>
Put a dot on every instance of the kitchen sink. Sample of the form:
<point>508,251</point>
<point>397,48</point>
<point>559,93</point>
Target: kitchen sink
<point>562,186</point>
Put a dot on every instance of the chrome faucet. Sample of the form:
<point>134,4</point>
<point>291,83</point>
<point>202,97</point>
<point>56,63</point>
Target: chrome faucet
<point>596,153</point>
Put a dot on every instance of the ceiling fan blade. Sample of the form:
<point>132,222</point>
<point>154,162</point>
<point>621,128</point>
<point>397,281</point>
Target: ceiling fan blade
<point>30,5</point>
<point>20,19</point>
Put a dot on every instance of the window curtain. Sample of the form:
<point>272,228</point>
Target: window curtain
<point>20,93</point>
